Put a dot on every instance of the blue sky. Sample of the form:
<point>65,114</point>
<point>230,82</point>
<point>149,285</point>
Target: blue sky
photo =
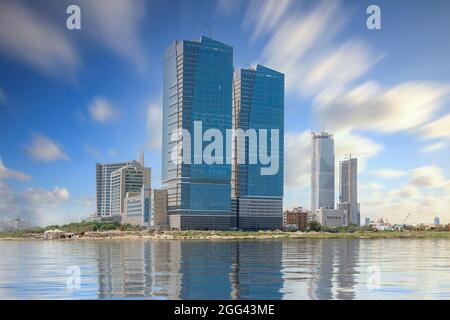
<point>71,98</point>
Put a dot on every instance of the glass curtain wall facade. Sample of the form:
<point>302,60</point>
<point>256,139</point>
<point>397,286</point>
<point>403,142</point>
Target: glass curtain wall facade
<point>103,184</point>
<point>322,171</point>
<point>258,103</point>
<point>197,87</point>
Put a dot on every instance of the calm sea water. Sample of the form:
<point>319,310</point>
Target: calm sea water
<point>275,269</point>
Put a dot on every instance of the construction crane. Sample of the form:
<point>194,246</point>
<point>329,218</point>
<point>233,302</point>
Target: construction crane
<point>406,218</point>
<point>349,156</point>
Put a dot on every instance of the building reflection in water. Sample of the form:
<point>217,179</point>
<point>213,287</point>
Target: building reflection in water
<point>147,269</point>
<point>176,269</point>
<point>319,268</point>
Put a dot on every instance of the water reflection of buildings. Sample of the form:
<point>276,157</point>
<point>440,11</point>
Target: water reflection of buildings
<point>319,269</point>
<point>190,269</point>
<point>291,269</point>
<point>139,269</point>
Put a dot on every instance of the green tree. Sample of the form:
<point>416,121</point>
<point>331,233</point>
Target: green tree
<point>314,226</point>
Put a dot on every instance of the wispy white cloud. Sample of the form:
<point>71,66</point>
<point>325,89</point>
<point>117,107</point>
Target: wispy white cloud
<point>301,44</point>
<point>369,107</point>
<point>116,24</point>
<point>425,195</point>
<point>35,40</point>
<point>44,149</point>
<point>39,206</point>
<point>388,173</point>
<point>439,128</point>
<point>434,147</point>
<point>93,151</point>
<point>262,16</point>
<point>6,173</point>
<point>102,111</point>
<point>154,125</point>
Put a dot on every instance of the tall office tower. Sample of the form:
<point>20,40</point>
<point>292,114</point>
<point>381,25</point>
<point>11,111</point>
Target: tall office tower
<point>322,171</point>
<point>258,103</point>
<point>103,184</point>
<point>197,90</point>
<point>348,190</point>
<point>127,179</point>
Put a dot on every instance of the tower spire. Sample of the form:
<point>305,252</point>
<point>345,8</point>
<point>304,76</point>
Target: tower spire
<point>141,158</point>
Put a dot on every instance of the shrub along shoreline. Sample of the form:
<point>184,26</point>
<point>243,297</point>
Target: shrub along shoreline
<point>114,230</point>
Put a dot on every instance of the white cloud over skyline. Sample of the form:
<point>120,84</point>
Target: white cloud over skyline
<point>44,149</point>
<point>6,173</point>
<point>102,111</point>
<point>154,125</point>
<point>369,107</point>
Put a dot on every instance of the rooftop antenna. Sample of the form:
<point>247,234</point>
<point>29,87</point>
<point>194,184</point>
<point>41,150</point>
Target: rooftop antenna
<point>209,29</point>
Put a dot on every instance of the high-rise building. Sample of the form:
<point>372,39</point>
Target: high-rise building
<point>322,171</point>
<point>103,184</point>
<point>127,179</point>
<point>348,189</point>
<point>437,221</point>
<point>258,104</point>
<point>197,88</point>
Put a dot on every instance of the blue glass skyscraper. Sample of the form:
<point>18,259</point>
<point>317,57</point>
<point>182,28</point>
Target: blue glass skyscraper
<point>258,104</point>
<point>198,79</point>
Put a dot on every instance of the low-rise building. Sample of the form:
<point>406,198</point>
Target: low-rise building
<point>147,208</point>
<point>137,207</point>
<point>158,208</point>
<point>328,217</point>
<point>296,219</point>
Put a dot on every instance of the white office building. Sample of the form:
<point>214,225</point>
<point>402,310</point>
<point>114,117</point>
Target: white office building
<point>103,186</point>
<point>328,217</point>
<point>128,179</point>
<point>348,190</point>
<point>147,208</point>
<point>322,171</point>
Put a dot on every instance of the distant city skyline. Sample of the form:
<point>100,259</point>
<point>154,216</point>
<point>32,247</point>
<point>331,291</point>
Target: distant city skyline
<point>73,98</point>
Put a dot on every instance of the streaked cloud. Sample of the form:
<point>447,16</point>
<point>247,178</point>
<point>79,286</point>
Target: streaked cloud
<point>35,40</point>
<point>261,16</point>
<point>425,195</point>
<point>6,173</point>
<point>297,159</point>
<point>427,177</point>
<point>370,107</point>
<point>439,128</point>
<point>115,23</point>
<point>434,147</point>
<point>154,125</point>
<point>102,111</point>
<point>301,43</point>
<point>44,149</point>
<point>388,173</point>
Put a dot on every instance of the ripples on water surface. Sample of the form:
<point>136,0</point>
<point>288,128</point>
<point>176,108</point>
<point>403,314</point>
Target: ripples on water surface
<point>272,269</point>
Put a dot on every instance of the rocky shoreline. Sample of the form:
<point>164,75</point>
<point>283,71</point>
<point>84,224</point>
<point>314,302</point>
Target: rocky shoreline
<point>233,235</point>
